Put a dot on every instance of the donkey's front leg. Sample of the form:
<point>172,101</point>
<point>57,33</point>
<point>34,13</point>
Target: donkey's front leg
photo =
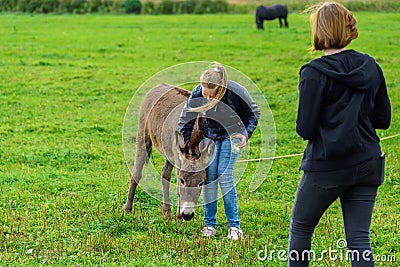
<point>143,146</point>
<point>166,179</point>
<point>131,193</point>
<point>136,176</point>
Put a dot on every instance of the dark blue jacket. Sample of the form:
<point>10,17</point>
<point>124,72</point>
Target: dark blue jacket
<point>235,113</point>
<point>342,100</point>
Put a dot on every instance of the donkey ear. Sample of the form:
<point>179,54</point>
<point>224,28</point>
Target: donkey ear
<point>200,122</point>
<point>180,141</point>
<point>207,147</point>
<point>195,139</point>
<point>197,132</point>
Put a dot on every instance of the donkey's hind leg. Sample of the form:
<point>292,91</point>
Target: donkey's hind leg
<point>286,23</point>
<point>166,179</point>
<point>280,21</point>
<point>143,149</point>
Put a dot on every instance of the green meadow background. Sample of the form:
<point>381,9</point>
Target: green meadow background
<point>65,84</point>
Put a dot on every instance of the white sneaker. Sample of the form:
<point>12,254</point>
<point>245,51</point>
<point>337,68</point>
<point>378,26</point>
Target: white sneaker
<point>235,233</point>
<point>209,231</point>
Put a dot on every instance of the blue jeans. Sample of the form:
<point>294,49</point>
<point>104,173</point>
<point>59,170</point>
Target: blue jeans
<point>220,171</point>
<point>356,187</point>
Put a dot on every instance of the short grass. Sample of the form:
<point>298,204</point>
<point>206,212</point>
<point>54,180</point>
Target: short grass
<point>66,82</point>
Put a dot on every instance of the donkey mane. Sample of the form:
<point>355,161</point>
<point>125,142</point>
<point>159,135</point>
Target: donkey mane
<point>182,91</point>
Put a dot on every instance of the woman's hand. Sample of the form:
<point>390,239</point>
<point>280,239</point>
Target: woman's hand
<point>243,139</point>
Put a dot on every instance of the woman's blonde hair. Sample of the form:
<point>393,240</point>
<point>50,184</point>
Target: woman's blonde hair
<point>332,26</point>
<point>214,79</point>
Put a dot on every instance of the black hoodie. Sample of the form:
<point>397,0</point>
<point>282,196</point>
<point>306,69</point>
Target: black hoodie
<point>342,100</point>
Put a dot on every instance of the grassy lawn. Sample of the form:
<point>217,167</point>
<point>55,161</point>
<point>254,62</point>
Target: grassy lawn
<point>66,83</point>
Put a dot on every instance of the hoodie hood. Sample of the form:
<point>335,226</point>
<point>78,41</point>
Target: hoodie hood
<point>355,70</point>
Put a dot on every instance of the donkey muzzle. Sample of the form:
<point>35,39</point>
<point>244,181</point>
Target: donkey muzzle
<point>187,211</point>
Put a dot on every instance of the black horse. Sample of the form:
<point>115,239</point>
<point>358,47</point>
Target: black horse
<point>270,13</point>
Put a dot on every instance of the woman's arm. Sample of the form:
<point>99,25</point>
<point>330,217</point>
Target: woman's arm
<point>382,108</point>
<point>309,107</point>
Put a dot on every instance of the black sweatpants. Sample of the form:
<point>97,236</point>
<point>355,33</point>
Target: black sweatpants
<point>356,187</point>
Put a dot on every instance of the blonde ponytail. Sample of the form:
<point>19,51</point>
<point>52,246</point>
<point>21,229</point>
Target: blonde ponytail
<point>215,79</point>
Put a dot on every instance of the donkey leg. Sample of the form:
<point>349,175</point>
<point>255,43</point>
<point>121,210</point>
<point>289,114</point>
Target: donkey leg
<point>166,179</point>
<point>286,23</point>
<point>280,21</point>
<point>136,176</point>
<point>142,156</point>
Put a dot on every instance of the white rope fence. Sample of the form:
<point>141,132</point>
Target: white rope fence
<point>300,154</point>
<point>389,137</point>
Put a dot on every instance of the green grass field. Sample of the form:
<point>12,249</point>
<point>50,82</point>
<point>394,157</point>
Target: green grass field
<point>66,82</point>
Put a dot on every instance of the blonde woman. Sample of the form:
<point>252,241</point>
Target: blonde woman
<point>228,110</point>
<point>342,100</point>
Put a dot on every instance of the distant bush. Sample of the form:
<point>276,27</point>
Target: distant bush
<point>148,8</point>
<point>208,6</point>
<point>185,7</point>
<point>383,5</point>
<point>166,7</point>
<point>132,6</point>
<point>64,6</point>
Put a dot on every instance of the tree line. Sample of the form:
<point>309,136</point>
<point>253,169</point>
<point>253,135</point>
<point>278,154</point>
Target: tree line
<point>168,6</point>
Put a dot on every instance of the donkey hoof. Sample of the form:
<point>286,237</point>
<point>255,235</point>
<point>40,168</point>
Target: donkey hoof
<point>167,217</point>
<point>167,214</point>
<point>127,208</point>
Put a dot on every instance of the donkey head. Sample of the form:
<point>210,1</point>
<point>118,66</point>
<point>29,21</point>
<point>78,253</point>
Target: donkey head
<point>191,172</point>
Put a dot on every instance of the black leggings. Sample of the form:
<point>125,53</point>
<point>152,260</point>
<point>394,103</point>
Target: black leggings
<point>356,187</point>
